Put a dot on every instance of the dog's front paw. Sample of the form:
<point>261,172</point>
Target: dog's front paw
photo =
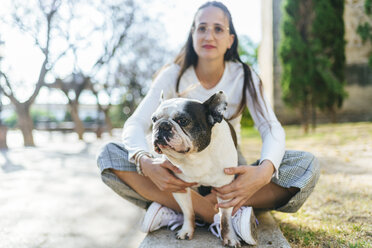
<point>230,239</point>
<point>185,232</point>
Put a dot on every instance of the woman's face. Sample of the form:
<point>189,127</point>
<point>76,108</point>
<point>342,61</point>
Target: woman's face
<point>211,35</point>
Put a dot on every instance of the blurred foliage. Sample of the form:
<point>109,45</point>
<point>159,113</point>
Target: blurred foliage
<point>67,116</point>
<point>11,121</point>
<point>117,116</point>
<point>365,29</point>
<point>89,119</point>
<point>312,51</point>
<point>248,52</point>
<point>247,120</point>
<point>329,50</point>
<point>37,115</point>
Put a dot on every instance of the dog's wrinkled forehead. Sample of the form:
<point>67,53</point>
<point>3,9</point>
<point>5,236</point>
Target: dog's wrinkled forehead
<point>173,107</point>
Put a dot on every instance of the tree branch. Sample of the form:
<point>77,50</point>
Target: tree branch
<point>11,94</point>
<point>109,54</point>
<point>44,68</point>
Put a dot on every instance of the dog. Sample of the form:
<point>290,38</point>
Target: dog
<point>195,137</point>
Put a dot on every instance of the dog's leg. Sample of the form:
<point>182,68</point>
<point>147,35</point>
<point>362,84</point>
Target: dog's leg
<point>185,203</point>
<point>227,230</point>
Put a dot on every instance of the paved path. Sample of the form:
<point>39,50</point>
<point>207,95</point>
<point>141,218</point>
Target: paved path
<point>52,196</point>
<point>269,236</point>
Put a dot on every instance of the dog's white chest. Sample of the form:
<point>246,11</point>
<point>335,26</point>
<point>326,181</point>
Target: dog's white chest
<point>207,173</point>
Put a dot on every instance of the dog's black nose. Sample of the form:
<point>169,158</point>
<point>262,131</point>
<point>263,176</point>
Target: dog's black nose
<point>165,126</point>
<point>160,140</point>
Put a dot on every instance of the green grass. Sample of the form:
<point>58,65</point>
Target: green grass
<point>339,211</point>
<point>249,132</point>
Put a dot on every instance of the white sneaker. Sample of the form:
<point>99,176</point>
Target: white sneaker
<point>158,216</point>
<point>245,225</point>
<point>244,222</point>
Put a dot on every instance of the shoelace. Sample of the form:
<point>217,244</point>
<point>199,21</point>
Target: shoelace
<point>178,221</point>
<point>173,224</point>
<point>171,219</point>
<point>215,227</point>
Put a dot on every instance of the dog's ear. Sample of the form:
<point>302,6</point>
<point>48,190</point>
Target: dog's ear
<point>216,106</point>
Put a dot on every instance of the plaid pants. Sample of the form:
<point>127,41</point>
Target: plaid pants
<point>298,169</point>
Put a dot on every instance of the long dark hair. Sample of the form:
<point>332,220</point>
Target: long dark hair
<point>188,57</point>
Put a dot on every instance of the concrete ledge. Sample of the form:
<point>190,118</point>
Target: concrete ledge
<point>268,231</point>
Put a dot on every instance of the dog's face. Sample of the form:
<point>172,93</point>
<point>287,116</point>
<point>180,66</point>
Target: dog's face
<point>184,126</point>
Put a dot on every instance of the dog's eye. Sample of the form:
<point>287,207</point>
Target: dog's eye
<point>182,121</point>
<point>154,119</point>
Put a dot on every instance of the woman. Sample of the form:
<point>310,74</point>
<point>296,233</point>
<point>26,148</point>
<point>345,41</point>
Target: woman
<point>209,62</point>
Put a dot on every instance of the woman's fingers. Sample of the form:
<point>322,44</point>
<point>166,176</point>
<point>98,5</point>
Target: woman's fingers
<point>227,196</point>
<point>169,182</point>
<point>227,188</point>
<point>235,170</point>
<point>179,182</point>
<point>239,205</point>
<point>229,204</point>
<point>171,167</point>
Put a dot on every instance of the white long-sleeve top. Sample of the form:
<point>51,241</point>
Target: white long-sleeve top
<point>138,126</point>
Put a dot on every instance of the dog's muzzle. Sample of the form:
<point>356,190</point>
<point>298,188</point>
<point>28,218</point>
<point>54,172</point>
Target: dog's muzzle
<point>162,135</point>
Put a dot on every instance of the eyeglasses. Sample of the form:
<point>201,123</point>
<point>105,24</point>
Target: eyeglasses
<point>218,31</point>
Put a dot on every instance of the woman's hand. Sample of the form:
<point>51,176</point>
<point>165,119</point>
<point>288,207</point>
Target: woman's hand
<point>160,171</point>
<point>250,179</point>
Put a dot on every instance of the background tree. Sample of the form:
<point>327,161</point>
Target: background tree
<point>3,128</point>
<point>72,87</point>
<point>38,20</point>
<point>135,64</point>
<point>312,54</point>
<point>365,29</point>
<point>296,57</point>
<point>116,19</point>
<point>328,47</point>
<point>81,42</point>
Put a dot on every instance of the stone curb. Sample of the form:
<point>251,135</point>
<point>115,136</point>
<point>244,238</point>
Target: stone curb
<point>268,231</point>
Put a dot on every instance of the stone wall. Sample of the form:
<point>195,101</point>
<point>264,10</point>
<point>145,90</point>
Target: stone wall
<point>357,107</point>
<point>356,51</point>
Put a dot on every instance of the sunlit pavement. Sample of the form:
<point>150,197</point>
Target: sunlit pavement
<point>51,195</point>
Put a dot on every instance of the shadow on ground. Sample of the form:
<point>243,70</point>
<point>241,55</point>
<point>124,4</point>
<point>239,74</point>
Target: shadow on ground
<point>52,196</point>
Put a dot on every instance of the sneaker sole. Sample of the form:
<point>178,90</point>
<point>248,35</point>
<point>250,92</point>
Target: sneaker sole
<point>250,231</point>
<point>149,217</point>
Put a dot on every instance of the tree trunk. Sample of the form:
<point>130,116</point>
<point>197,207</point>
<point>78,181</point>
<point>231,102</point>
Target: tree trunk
<point>313,116</point>
<point>25,123</point>
<point>333,115</point>
<point>108,121</point>
<point>79,126</point>
<point>3,132</point>
<point>305,116</point>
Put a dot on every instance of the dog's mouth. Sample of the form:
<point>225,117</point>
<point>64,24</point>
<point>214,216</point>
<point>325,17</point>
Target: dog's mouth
<point>161,144</point>
<point>158,148</point>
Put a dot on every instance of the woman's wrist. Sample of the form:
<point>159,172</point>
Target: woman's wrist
<point>138,158</point>
<point>267,169</point>
<point>143,164</point>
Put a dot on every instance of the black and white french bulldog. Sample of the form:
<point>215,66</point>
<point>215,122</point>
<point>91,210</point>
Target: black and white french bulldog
<point>195,137</point>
